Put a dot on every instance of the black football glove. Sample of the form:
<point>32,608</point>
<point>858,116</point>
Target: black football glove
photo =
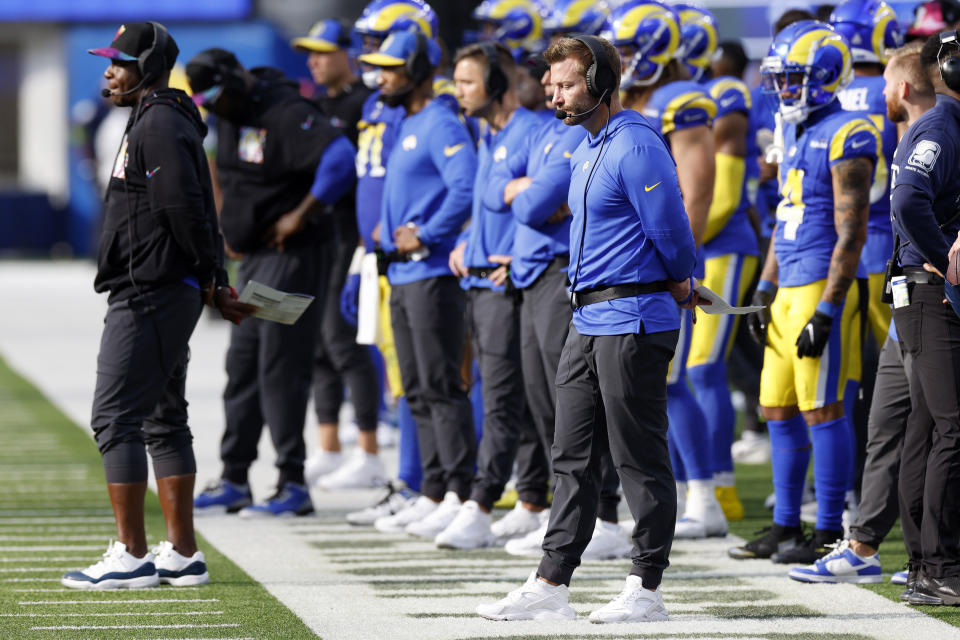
<point>758,321</point>
<point>814,335</point>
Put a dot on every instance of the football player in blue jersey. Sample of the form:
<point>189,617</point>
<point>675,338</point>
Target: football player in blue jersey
<point>426,199</point>
<point>654,82</point>
<point>566,17</point>
<point>516,24</point>
<point>484,75</point>
<point>729,246</point>
<point>809,282</point>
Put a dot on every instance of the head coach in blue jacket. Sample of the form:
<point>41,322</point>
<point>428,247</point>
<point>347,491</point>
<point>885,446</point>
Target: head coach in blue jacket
<point>631,260</point>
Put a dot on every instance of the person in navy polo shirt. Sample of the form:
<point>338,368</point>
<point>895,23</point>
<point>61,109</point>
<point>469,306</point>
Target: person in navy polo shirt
<point>632,258</point>
<point>426,200</point>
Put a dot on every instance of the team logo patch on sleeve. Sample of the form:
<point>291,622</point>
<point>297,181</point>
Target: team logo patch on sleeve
<point>500,154</point>
<point>252,141</point>
<point>409,143</point>
<point>924,155</point>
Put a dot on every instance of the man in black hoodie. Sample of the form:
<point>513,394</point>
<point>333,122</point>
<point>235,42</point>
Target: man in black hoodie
<point>160,259</point>
<point>280,162</point>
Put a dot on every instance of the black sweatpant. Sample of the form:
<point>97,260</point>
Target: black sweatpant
<point>269,367</point>
<point>495,326</point>
<point>879,501</point>
<point>141,379</point>
<point>929,332</point>
<point>429,332</point>
<point>338,359</point>
<point>612,392</point>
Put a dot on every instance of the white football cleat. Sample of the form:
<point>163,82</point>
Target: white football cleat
<point>361,470</point>
<point>517,523</point>
<point>608,542</point>
<point>116,570</point>
<point>535,600</point>
<point>438,520</point>
<point>418,510</point>
<point>395,501</point>
<point>704,516</point>
<point>470,529</point>
<point>530,545</point>
<point>751,448</point>
<point>633,604</point>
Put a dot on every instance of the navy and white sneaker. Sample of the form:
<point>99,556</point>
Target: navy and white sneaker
<point>290,500</point>
<point>900,577</point>
<point>117,570</point>
<point>841,565</point>
<point>222,496</point>
<point>177,570</point>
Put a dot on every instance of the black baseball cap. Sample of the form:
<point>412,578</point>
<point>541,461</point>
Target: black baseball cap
<point>207,71</point>
<point>132,39</point>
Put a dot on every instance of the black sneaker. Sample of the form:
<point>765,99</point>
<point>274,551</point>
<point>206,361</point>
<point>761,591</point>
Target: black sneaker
<point>772,539</point>
<point>913,573</point>
<point>812,549</point>
<point>936,591</point>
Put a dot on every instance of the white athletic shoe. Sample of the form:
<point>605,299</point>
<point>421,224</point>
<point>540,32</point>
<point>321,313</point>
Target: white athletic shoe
<point>361,470</point>
<point>535,600</point>
<point>470,529</point>
<point>177,570</point>
<point>704,515</point>
<point>517,523</point>
<point>387,435</point>
<point>418,510</point>
<point>395,501</point>
<point>607,543</point>
<point>117,570</point>
<point>633,604</point>
<point>530,545</point>
<point>438,520</point>
<point>751,448</point>
<point>320,463</point>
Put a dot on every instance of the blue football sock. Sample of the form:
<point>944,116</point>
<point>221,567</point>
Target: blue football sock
<point>831,470</point>
<point>689,429</point>
<point>410,470</point>
<point>476,400</point>
<point>710,383</point>
<point>789,457</point>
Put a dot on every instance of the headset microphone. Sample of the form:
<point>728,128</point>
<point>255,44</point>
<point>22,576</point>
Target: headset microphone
<point>107,93</point>
<point>560,114</point>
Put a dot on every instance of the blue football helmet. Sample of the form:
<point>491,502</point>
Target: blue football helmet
<point>808,63</point>
<point>382,17</point>
<point>576,16</point>
<point>647,34</point>
<point>871,28</point>
<point>516,24</point>
<point>699,29</point>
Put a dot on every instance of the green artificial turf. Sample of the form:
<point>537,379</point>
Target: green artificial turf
<point>55,516</point>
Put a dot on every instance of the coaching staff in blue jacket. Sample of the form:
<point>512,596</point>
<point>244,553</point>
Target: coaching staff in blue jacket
<point>426,199</point>
<point>632,256</point>
<point>923,206</point>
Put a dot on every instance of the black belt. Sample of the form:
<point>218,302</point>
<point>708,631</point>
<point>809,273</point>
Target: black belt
<point>602,294</point>
<point>384,259</point>
<point>484,272</point>
<point>916,275</point>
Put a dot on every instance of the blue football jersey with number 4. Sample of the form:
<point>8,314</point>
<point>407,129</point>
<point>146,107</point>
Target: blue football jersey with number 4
<point>805,234</point>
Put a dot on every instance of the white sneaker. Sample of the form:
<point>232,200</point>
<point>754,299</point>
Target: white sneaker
<point>438,520</point>
<point>361,470</point>
<point>751,448</point>
<point>470,529</point>
<point>117,570</point>
<point>395,501</point>
<point>320,463</point>
<point>387,435</point>
<point>633,604</point>
<point>418,510</point>
<point>607,543</point>
<point>530,545</point>
<point>704,515</point>
<point>177,570</point>
<point>517,523</point>
<point>535,600</point>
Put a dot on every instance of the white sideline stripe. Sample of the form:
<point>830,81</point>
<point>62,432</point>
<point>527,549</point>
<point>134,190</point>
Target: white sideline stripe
<point>54,513</point>
<point>29,579</point>
<point>112,613</point>
<point>131,601</point>
<point>65,547</point>
<point>56,520</point>
<point>85,627</point>
<point>64,590</point>
<point>50,537</point>
<point>45,559</point>
<point>33,569</point>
